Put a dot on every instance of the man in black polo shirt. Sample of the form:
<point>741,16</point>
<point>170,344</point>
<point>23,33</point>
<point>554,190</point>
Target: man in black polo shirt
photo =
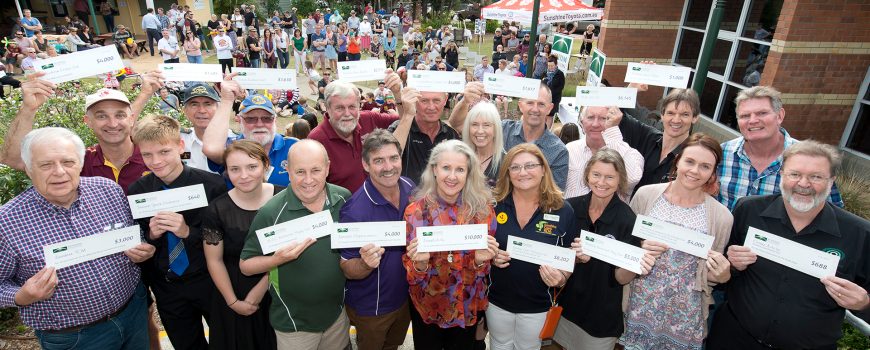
<point>420,129</point>
<point>772,306</point>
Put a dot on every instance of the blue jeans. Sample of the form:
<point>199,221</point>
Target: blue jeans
<point>128,330</point>
<point>255,63</point>
<point>194,59</point>
<point>283,57</point>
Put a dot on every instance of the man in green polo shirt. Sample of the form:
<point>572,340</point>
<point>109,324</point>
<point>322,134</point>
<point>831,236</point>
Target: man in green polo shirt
<point>306,282</point>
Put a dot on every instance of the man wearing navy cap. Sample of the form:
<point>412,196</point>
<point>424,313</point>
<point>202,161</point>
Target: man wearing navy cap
<point>257,121</point>
<point>200,104</point>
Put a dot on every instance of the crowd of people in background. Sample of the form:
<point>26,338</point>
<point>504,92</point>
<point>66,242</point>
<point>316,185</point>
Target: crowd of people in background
<point>428,159</point>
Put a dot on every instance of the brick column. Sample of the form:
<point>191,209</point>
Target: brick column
<point>818,59</point>
<point>636,30</point>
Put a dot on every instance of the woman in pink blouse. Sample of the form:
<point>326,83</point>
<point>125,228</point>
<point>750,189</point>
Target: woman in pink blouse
<point>447,288</point>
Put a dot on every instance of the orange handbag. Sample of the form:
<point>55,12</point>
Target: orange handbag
<point>552,319</point>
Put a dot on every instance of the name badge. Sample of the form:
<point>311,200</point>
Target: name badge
<point>551,217</point>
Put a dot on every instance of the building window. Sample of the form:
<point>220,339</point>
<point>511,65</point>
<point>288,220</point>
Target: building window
<point>739,55</point>
<point>858,129</point>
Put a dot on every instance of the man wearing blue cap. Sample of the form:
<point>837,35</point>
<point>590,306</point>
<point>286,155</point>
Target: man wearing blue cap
<point>257,121</point>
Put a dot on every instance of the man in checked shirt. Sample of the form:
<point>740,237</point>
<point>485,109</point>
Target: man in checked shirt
<point>98,303</point>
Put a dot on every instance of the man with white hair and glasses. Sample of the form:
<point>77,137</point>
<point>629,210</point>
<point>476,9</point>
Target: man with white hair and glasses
<point>100,302</point>
<point>257,121</point>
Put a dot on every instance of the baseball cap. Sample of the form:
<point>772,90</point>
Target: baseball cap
<point>257,101</point>
<point>105,95</point>
<point>200,90</point>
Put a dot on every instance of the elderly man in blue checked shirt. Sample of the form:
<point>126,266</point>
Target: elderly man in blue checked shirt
<point>99,303</point>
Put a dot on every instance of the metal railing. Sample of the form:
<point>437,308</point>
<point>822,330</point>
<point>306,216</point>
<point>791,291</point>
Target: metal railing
<point>858,323</point>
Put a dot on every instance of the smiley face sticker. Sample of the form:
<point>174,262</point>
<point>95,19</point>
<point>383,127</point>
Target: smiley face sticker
<point>501,218</point>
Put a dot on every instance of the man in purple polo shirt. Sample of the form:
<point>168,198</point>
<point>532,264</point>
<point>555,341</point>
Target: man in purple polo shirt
<point>377,291</point>
<point>346,127</point>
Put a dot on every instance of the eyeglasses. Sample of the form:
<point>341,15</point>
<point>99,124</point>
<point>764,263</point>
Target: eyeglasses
<point>815,179</point>
<point>528,166</point>
<point>253,120</point>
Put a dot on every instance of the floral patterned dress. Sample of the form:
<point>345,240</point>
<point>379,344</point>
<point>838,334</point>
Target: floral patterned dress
<point>452,291</point>
<point>664,312</point>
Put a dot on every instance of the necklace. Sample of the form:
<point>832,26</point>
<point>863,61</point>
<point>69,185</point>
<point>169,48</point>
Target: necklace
<point>484,161</point>
<point>450,257</point>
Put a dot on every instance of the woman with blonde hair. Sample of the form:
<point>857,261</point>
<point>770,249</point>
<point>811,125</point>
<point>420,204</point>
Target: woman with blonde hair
<point>448,289</point>
<point>668,307</point>
<point>529,206</point>
<point>482,132</point>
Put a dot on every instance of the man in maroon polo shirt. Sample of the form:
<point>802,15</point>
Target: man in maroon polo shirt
<point>342,135</point>
<point>108,113</point>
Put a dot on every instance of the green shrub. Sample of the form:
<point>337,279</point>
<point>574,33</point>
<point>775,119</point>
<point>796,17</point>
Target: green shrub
<point>304,7</point>
<point>853,187</point>
<point>852,339</point>
<point>492,25</point>
<point>437,19</point>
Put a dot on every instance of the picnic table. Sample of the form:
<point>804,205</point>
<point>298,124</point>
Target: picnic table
<point>101,39</point>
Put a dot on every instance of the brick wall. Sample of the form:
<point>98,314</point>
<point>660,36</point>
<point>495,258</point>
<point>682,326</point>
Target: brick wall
<point>638,29</point>
<point>818,57</point>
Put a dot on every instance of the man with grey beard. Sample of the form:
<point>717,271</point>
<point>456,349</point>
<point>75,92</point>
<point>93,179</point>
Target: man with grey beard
<point>347,126</point>
<point>772,306</point>
<point>257,121</point>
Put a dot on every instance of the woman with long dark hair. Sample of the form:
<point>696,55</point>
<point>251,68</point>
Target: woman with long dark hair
<point>668,307</point>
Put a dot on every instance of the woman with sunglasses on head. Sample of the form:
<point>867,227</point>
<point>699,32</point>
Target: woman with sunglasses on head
<point>592,300</point>
<point>300,44</point>
<point>668,307</point>
<point>192,47</point>
<point>270,45</point>
<point>529,206</point>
